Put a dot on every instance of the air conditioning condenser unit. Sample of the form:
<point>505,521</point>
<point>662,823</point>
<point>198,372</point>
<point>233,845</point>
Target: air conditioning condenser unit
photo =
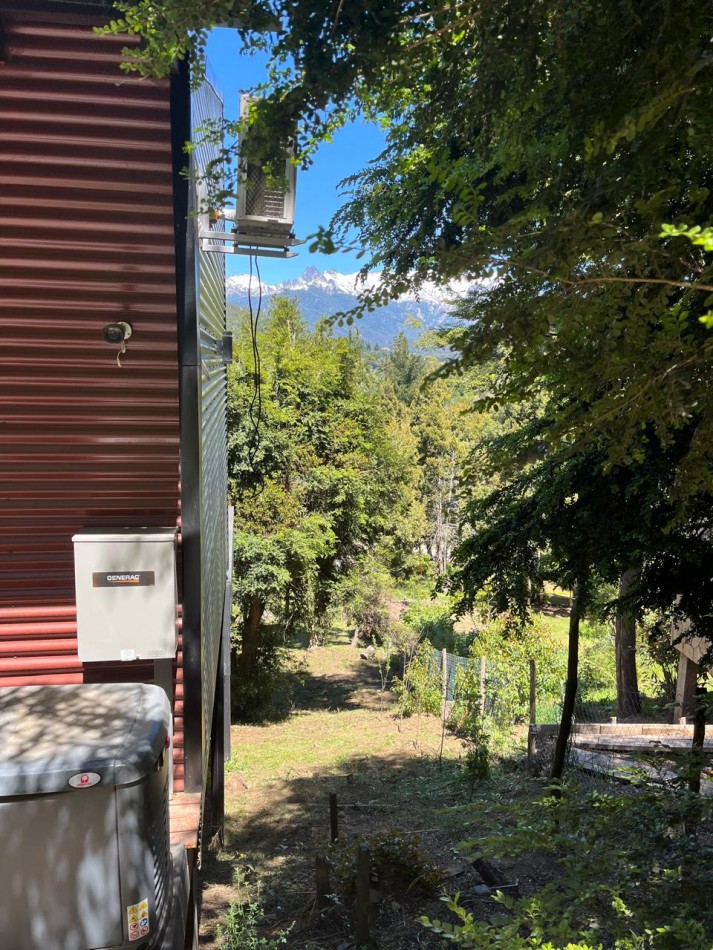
<point>84,818</point>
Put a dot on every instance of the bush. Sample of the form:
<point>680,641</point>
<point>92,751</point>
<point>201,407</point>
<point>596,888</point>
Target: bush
<point>631,874</point>
<point>365,594</point>
<point>466,722</point>
<point>239,929</point>
<point>508,651</point>
<point>420,689</point>
<point>597,662</point>
<point>267,695</point>
<point>432,621</point>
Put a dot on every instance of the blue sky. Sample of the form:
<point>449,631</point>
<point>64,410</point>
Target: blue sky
<point>317,188</point>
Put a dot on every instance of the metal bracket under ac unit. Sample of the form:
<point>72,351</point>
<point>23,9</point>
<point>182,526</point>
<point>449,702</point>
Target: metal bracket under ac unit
<point>248,243</point>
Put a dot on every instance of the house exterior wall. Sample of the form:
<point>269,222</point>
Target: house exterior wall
<point>86,238</point>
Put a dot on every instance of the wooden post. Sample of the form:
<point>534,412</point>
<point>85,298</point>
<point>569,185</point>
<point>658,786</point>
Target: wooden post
<point>482,687</point>
<point>531,740</point>
<point>685,688</point>
<point>333,816</point>
<point>321,877</point>
<point>444,690</point>
<point>361,906</point>
<point>533,693</point>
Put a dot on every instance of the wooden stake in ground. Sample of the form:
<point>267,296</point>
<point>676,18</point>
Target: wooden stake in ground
<point>361,906</point>
<point>699,738</point>
<point>444,690</point>
<point>333,816</point>
<point>321,877</point>
<point>531,741</point>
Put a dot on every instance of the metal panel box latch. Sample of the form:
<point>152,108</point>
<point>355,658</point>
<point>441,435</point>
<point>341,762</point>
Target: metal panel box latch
<point>126,594</point>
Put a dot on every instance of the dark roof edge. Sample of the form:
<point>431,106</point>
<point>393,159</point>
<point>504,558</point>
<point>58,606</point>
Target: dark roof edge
<point>57,6</point>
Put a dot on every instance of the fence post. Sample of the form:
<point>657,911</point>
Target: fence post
<point>444,690</point>
<point>321,874</point>
<point>531,740</point>
<point>333,816</point>
<point>482,687</point>
<point>361,905</point>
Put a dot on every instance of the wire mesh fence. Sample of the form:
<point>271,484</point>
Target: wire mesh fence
<point>504,693</point>
<point>643,745</point>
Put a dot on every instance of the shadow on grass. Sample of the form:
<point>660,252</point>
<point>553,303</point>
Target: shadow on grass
<point>330,691</point>
<point>603,708</point>
<point>289,687</point>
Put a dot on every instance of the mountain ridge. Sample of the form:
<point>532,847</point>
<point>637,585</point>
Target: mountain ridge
<point>324,293</point>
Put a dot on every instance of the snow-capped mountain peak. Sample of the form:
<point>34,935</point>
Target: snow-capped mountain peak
<point>324,293</point>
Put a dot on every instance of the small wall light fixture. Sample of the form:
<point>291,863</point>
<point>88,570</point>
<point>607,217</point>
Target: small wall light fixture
<point>117,334</point>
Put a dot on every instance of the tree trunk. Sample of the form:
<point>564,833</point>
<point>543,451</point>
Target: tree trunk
<point>438,530</point>
<point>247,660</point>
<point>570,689</point>
<point>447,522</point>
<point>628,701</point>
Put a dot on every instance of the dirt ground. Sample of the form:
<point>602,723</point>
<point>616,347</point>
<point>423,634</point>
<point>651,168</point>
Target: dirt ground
<point>342,736</point>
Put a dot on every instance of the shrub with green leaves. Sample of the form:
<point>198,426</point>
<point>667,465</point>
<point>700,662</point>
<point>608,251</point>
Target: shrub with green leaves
<point>239,929</point>
<point>508,650</point>
<point>632,872</point>
<point>486,935</point>
<point>420,690</point>
<point>268,693</point>
<point>466,722</point>
<point>432,621</point>
<point>364,593</point>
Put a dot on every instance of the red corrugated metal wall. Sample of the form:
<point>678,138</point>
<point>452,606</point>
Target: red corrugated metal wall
<point>86,238</point>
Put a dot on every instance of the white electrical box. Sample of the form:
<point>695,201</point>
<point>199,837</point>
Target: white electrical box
<point>126,594</point>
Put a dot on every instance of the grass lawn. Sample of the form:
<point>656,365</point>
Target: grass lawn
<point>342,736</point>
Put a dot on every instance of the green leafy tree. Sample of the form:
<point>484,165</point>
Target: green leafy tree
<point>536,150</point>
<point>594,526</point>
<point>317,475</point>
<point>406,370</point>
<point>539,151</point>
<point>447,434</point>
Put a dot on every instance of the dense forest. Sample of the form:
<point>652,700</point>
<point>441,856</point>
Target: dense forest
<point>345,472</point>
<point>357,470</point>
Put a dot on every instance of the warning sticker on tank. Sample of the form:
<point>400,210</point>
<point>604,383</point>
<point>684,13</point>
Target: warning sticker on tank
<point>137,916</point>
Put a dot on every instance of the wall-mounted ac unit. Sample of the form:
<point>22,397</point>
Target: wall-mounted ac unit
<point>265,206</point>
<point>264,215</point>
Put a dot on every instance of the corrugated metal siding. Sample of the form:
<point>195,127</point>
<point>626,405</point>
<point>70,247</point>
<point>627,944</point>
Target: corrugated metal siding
<point>206,105</point>
<point>86,238</point>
